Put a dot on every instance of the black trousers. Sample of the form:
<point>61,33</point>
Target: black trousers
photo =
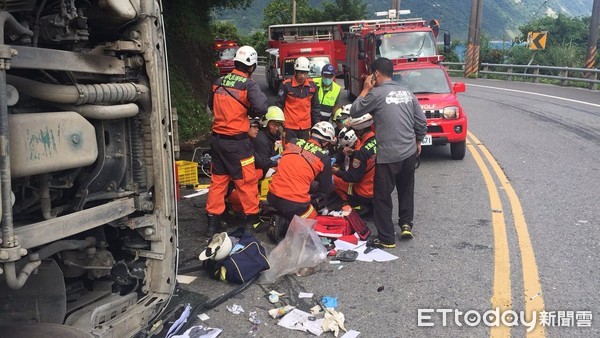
<point>287,208</point>
<point>401,176</point>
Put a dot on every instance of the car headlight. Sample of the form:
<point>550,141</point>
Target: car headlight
<point>451,112</point>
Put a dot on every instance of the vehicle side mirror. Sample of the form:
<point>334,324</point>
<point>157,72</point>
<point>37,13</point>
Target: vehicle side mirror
<point>459,87</point>
<point>361,46</point>
<point>435,27</point>
<point>447,42</point>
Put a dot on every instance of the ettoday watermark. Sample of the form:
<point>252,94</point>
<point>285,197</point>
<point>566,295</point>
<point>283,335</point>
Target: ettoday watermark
<point>496,317</point>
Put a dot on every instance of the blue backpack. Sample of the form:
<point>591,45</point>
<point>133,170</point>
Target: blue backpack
<point>242,265</point>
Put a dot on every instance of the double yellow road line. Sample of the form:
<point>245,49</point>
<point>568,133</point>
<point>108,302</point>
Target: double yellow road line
<point>502,295</point>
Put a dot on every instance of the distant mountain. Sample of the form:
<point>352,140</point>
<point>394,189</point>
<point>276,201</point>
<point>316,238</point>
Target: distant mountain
<point>501,18</point>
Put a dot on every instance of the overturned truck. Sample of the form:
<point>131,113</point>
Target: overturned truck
<point>88,231</point>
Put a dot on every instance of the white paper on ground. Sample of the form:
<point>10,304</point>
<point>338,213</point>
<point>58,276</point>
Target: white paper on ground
<point>203,317</point>
<point>350,334</point>
<point>200,331</point>
<point>376,255</point>
<point>305,295</point>
<point>298,320</point>
<point>183,279</point>
<point>197,193</point>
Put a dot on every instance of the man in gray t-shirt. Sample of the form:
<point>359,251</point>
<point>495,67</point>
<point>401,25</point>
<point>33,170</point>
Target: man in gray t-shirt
<point>400,126</point>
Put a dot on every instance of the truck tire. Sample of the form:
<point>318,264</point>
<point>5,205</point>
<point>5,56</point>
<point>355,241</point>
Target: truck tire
<point>457,150</point>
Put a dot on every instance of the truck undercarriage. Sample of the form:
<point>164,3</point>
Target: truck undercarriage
<point>86,167</point>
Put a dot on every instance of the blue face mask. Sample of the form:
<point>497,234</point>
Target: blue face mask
<point>327,81</point>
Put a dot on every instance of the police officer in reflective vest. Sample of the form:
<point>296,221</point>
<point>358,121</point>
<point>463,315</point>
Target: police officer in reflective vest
<point>329,92</point>
<point>235,95</point>
<point>298,99</point>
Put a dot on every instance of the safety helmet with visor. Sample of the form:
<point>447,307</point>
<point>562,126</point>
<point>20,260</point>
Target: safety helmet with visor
<point>302,64</point>
<point>361,122</point>
<point>246,55</point>
<point>275,114</point>
<point>218,248</point>
<point>347,137</point>
<point>324,131</point>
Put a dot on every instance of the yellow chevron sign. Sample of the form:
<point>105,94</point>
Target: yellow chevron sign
<point>537,40</point>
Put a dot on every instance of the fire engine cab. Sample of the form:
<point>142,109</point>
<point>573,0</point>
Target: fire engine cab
<point>411,45</point>
<point>280,61</point>
<point>224,52</point>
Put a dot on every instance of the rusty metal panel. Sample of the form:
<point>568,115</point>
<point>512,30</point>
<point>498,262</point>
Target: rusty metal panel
<point>53,59</point>
<point>36,234</point>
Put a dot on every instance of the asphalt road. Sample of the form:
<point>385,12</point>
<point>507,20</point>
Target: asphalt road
<point>514,225</point>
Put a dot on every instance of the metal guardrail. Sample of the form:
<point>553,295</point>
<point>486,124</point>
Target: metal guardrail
<point>262,60</point>
<point>564,75</point>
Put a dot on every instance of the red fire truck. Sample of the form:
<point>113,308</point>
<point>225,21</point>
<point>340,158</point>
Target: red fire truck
<point>224,52</point>
<point>411,45</point>
<point>280,61</point>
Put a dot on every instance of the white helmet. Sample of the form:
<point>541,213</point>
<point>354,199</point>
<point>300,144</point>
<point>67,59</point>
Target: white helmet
<point>246,55</point>
<point>347,137</point>
<point>324,130</point>
<point>362,122</point>
<point>219,247</point>
<point>302,64</point>
<point>346,109</point>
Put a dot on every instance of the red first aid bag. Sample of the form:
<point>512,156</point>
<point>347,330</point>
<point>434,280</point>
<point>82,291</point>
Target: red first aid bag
<point>358,226</point>
<point>331,226</point>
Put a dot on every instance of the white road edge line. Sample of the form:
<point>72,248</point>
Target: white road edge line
<point>538,94</point>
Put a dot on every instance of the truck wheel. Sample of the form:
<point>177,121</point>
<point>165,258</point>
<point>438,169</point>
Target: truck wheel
<point>457,150</point>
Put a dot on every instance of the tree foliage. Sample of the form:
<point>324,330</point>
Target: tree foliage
<point>227,4</point>
<point>343,10</point>
<point>280,11</point>
<point>224,30</point>
<point>565,45</point>
<point>562,29</point>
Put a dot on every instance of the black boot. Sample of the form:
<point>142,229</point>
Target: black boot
<point>214,224</point>
<point>252,221</point>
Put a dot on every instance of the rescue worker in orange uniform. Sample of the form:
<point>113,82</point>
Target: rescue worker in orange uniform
<point>298,99</point>
<point>234,199</point>
<point>302,162</point>
<point>266,148</point>
<point>235,95</point>
<point>355,185</point>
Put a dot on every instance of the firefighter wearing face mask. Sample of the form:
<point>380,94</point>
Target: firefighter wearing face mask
<point>329,92</point>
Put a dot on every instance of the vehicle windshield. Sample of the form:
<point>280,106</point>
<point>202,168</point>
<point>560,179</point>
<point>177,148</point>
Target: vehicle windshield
<point>406,44</point>
<point>226,53</point>
<point>422,81</point>
<point>316,63</point>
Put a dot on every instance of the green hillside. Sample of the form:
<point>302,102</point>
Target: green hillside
<point>501,18</point>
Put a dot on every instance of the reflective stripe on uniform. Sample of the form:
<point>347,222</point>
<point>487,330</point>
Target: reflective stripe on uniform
<point>247,161</point>
<point>308,212</point>
<point>350,186</point>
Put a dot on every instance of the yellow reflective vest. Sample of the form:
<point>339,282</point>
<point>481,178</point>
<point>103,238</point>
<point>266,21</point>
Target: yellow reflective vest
<point>327,99</point>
